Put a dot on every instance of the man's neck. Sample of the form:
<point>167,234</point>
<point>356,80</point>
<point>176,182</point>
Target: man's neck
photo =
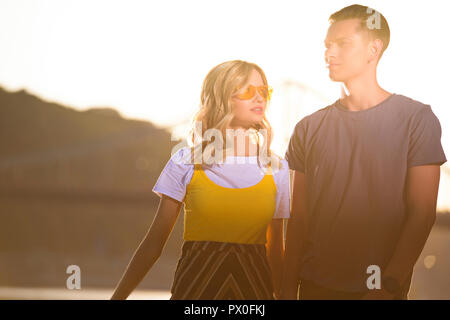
<point>362,93</point>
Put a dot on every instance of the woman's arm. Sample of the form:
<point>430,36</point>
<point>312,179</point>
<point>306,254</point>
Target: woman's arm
<point>275,252</point>
<point>150,248</point>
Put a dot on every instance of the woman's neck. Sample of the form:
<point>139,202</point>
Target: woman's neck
<point>242,143</point>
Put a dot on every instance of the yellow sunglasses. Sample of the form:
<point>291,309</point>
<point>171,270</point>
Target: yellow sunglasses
<point>264,91</point>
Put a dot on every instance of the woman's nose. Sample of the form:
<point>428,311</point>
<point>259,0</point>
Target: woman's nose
<point>258,96</point>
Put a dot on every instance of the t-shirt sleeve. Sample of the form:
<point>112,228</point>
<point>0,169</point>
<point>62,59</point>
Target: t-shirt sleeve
<point>425,140</point>
<point>282,200</point>
<point>175,176</point>
<point>295,153</point>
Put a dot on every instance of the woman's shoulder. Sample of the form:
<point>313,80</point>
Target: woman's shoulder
<point>182,157</point>
<point>280,169</point>
<point>279,164</point>
<point>180,164</point>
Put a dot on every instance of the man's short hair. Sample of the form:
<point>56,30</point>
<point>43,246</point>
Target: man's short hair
<point>376,31</point>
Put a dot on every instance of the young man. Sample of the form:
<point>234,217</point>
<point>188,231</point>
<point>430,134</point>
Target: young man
<point>366,176</point>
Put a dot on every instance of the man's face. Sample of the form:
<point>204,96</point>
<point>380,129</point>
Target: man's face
<point>347,50</point>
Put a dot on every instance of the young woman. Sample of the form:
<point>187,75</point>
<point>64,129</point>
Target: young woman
<point>235,198</point>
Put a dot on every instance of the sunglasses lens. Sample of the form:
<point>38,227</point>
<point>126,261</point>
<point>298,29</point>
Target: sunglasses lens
<point>248,93</point>
<point>264,91</point>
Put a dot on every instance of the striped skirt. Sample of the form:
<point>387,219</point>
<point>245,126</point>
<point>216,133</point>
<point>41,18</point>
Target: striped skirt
<point>222,271</point>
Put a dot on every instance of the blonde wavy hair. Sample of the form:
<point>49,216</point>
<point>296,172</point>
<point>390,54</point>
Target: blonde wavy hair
<point>216,108</point>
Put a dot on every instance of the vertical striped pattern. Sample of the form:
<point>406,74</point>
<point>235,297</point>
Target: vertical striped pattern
<point>210,270</point>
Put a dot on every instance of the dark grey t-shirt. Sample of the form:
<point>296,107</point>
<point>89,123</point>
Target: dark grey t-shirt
<point>355,163</point>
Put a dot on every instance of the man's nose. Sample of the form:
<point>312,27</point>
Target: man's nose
<point>330,53</point>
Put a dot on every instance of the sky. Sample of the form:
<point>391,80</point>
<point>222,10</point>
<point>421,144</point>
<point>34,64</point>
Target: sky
<point>147,59</point>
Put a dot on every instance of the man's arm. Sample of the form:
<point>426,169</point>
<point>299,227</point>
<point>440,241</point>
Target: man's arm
<point>421,190</point>
<point>296,236</point>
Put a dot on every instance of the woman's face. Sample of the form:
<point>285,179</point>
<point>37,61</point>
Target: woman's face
<point>247,112</point>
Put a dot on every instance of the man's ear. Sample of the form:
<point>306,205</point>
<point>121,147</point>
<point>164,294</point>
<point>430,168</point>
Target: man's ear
<point>375,48</point>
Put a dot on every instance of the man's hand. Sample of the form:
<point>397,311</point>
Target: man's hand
<point>288,295</point>
<point>421,192</point>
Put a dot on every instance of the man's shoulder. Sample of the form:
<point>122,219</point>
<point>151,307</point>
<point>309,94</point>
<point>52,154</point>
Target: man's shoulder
<point>410,105</point>
<point>314,117</point>
<point>403,105</point>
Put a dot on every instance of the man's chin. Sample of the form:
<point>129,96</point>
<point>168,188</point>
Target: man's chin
<point>336,78</point>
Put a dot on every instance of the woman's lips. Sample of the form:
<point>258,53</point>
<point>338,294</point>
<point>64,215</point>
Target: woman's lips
<point>258,110</point>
